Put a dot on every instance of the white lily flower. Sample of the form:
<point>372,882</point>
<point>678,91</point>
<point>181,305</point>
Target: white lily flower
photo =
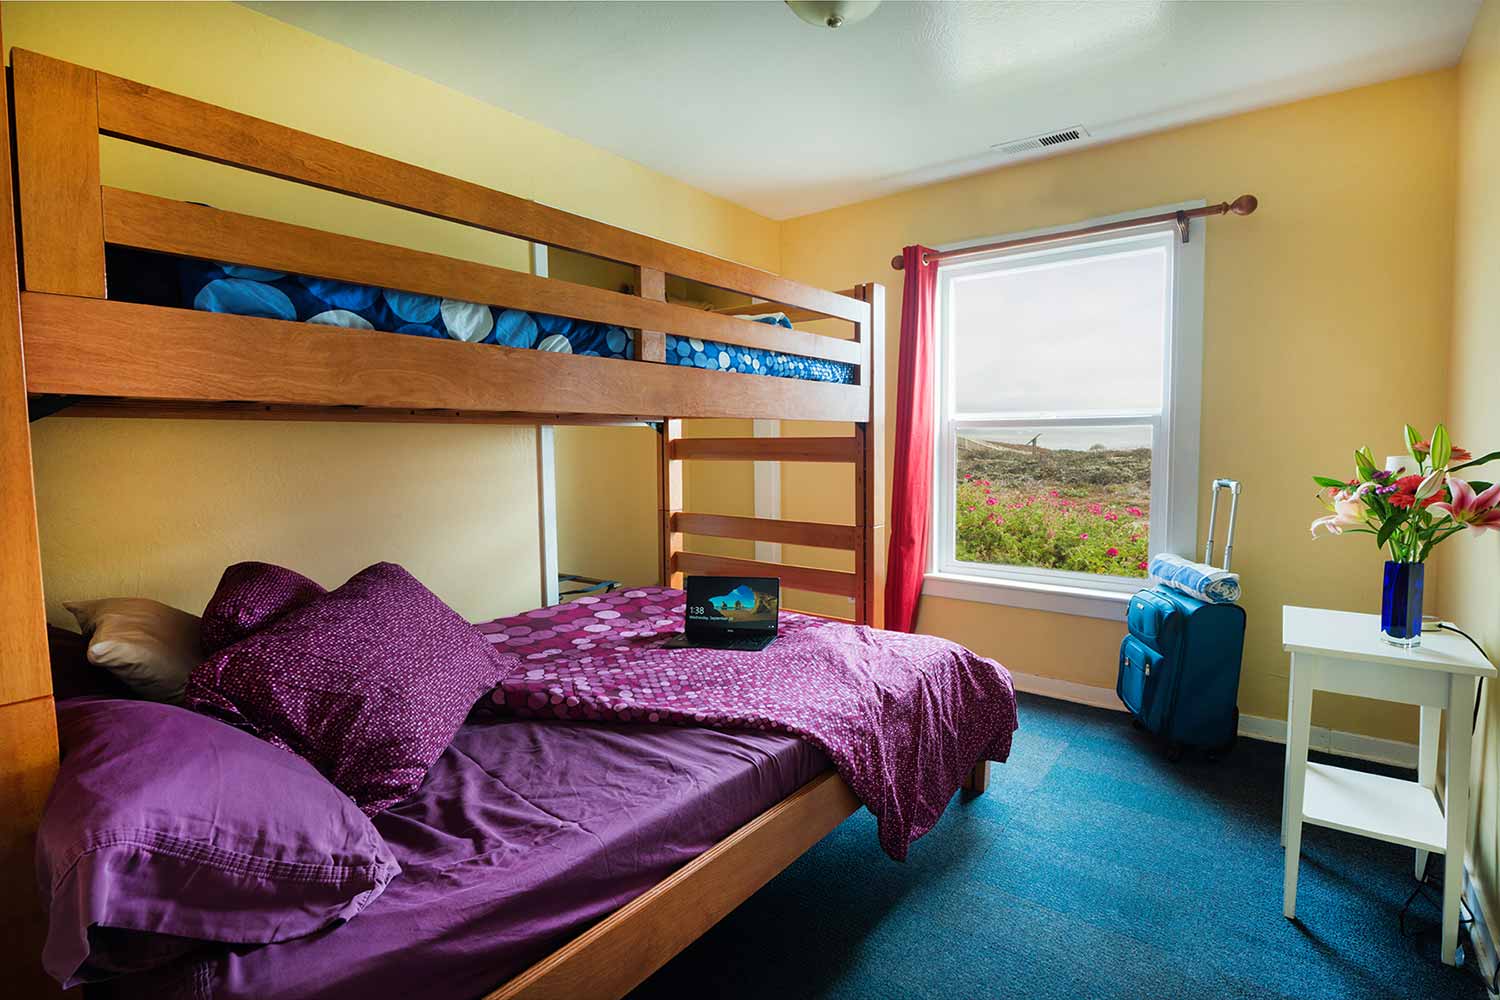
<point>1431,484</point>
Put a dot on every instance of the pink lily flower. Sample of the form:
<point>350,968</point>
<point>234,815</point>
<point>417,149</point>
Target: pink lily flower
<point>1477,512</point>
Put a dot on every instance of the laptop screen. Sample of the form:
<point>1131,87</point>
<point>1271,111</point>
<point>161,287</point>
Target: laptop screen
<point>732,603</point>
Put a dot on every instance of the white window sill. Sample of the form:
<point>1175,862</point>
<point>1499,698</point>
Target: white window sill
<point>1062,599</point>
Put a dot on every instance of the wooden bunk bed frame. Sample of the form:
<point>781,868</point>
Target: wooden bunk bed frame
<point>66,348</point>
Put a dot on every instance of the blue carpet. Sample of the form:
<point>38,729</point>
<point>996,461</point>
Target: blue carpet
<point>1092,869</point>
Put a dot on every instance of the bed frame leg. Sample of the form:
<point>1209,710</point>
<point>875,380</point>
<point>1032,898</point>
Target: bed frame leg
<point>978,779</point>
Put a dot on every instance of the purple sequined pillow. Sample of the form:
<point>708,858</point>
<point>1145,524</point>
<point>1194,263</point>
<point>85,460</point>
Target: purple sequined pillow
<point>250,596</point>
<point>368,683</point>
<point>166,829</point>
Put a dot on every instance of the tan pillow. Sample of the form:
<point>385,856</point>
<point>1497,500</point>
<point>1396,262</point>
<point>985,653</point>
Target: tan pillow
<point>149,646</point>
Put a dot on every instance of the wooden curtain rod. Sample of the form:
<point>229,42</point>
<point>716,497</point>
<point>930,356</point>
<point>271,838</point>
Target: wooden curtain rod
<point>1243,205</point>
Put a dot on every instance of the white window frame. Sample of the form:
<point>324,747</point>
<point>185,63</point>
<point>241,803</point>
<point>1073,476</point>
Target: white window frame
<point>1174,437</point>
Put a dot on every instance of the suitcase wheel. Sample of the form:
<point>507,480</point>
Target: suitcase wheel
<point>1228,745</point>
<point>1174,751</point>
<point>1136,723</point>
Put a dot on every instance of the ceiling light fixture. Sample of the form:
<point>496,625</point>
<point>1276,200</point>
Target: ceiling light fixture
<point>833,13</point>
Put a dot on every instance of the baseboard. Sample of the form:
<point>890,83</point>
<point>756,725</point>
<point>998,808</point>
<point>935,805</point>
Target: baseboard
<point>1335,741</point>
<point>1078,694</point>
<point>1254,727</point>
<point>1481,941</point>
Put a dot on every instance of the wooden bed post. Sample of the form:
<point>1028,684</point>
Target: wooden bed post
<point>652,345</point>
<point>669,495</point>
<point>869,474</point>
<point>28,727</point>
<point>57,163</point>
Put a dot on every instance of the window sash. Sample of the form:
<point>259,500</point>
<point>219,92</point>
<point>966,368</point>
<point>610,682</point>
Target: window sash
<point>1172,520</point>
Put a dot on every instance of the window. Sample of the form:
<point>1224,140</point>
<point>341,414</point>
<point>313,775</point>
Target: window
<point>1067,403</point>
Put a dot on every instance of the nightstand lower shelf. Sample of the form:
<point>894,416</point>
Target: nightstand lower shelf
<point>1373,805</point>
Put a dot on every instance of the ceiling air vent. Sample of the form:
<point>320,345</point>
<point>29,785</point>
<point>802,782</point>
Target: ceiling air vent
<point>1049,139</point>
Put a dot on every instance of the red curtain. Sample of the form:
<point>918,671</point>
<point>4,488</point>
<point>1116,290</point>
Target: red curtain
<point>911,481</point>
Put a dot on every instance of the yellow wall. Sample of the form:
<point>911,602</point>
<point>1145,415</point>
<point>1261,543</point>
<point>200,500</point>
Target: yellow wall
<point>1311,306</point>
<point>158,508</point>
<point>1470,567</point>
<point>1309,302</point>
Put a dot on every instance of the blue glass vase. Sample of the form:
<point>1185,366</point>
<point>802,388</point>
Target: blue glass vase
<point>1401,604</point>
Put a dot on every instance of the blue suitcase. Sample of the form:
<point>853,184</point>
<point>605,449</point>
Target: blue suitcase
<point>1180,662</point>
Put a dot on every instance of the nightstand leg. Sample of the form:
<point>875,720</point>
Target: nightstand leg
<point>1286,785</point>
<point>1299,726</point>
<point>1427,758</point>
<point>1456,809</point>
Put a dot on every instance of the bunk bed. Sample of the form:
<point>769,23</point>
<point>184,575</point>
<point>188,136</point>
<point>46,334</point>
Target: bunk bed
<point>70,346</point>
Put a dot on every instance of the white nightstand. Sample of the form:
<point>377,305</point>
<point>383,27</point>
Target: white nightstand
<point>1342,651</point>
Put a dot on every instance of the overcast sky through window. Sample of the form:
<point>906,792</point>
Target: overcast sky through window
<point>1079,335</point>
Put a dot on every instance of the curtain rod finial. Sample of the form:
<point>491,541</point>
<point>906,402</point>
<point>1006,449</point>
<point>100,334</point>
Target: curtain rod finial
<point>897,262</point>
<point>1244,204</point>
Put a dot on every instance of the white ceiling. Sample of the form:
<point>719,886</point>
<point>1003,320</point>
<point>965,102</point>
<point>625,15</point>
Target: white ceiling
<point>744,100</point>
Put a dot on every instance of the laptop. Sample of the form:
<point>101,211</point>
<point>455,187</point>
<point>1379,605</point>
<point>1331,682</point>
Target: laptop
<point>729,612</point>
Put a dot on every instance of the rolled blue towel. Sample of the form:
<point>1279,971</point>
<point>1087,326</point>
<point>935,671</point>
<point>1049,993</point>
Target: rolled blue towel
<point>1200,580</point>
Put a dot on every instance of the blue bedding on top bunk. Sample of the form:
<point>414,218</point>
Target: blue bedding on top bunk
<point>253,291</point>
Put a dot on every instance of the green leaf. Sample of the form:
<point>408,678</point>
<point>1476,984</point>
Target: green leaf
<point>1330,482</point>
<point>1413,438</point>
<point>1364,464</point>
<point>1479,485</point>
<point>1388,529</point>
<point>1478,461</point>
<point>1442,447</point>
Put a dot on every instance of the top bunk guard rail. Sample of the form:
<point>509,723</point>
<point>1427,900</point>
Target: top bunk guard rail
<point>114,350</point>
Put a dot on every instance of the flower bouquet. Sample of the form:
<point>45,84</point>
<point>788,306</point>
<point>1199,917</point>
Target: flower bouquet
<point>1411,505</point>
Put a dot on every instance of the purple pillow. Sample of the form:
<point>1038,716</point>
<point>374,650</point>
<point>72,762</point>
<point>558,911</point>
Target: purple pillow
<point>368,683</point>
<point>250,596</point>
<point>167,829</point>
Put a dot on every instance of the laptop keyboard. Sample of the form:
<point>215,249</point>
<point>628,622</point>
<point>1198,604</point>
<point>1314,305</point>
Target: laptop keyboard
<point>742,645</point>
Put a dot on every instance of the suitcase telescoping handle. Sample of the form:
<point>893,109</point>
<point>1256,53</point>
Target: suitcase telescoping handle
<point>1233,486</point>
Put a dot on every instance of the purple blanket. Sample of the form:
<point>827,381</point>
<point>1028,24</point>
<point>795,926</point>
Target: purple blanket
<point>902,717</point>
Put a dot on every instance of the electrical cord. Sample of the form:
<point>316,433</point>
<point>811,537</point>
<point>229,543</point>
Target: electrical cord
<point>1430,889</point>
<point>1426,888</point>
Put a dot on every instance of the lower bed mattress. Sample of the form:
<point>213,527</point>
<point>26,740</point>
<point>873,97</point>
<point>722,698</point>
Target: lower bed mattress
<point>523,834</point>
<point>159,279</point>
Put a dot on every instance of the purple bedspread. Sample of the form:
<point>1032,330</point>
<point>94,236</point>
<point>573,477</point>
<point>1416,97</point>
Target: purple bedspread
<point>523,835</point>
<point>904,718</point>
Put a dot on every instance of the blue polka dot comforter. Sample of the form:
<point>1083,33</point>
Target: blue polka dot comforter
<point>253,291</point>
